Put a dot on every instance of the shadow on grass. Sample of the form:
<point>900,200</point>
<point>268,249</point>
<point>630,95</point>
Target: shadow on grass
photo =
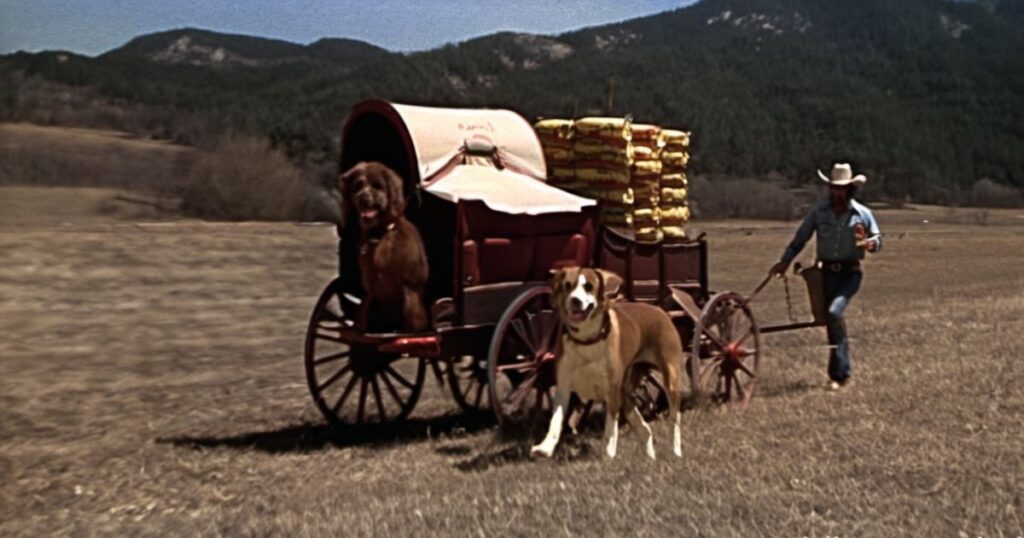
<point>786,389</point>
<point>570,448</point>
<point>311,437</point>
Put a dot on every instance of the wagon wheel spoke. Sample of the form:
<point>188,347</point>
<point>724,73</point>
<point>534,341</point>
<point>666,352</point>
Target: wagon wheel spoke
<point>337,375</point>
<point>344,394</point>
<point>330,338</point>
<point>523,366</point>
<point>520,329</point>
<point>522,391</point>
<point>725,327</point>
<point>362,402</point>
<point>331,316</point>
<point>479,395</point>
<point>380,401</point>
<point>467,379</point>
<point>743,368</point>
<point>529,320</point>
<point>390,370</point>
<point>711,372</point>
<point>538,402</point>
<point>464,393</point>
<point>331,358</point>
<point>740,391</point>
<point>546,325</point>
<point>715,339</point>
<point>713,363</point>
<point>391,389</point>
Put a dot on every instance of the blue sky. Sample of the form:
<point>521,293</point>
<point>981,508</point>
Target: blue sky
<point>95,26</point>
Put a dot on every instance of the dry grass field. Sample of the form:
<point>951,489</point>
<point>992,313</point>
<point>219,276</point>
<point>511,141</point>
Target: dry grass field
<point>151,382</point>
<point>69,156</point>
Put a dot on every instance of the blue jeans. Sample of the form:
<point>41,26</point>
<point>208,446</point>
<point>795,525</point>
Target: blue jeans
<point>840,287</point>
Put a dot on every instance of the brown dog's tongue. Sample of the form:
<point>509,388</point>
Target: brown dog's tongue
<point>369,214</point>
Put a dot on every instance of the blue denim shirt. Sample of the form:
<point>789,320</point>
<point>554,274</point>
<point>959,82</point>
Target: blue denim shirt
<point>836,239</point>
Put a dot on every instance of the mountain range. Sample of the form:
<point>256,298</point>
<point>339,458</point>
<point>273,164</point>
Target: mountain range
<point>925,96</point>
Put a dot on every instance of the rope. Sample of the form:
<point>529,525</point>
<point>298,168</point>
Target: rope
<point>789,300</point>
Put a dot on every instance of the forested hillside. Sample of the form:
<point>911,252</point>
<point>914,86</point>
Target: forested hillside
<point>926,96</point>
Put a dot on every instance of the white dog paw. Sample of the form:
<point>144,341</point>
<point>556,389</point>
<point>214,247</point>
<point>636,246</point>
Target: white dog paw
<point>541,450</point>
<point>650,451</point>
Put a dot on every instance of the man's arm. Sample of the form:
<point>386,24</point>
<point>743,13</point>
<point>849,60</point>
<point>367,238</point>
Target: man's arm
<point>872,242</point>
<point>875,233</point>
<point>803,234</point>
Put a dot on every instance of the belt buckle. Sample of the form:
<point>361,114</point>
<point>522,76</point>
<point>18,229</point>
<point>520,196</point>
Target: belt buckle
<point>835,267</point>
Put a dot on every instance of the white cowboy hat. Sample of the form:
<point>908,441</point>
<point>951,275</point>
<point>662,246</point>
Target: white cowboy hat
<point>842,174</point>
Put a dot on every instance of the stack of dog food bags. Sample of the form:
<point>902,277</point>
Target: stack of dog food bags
<point>603,156</point>
<point>674,208</point>
<point>556,140</point>
<point>644,180</point>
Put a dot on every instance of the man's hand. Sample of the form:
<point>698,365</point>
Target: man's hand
<point>869,245</point>
<point>778,269</point>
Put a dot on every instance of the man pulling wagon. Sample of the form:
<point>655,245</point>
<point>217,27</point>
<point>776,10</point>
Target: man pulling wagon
<point>845,230</point>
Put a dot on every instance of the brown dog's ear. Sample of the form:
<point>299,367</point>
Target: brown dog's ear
<point>396,195</point>
<point>610,282</point>
<point>557,275</point>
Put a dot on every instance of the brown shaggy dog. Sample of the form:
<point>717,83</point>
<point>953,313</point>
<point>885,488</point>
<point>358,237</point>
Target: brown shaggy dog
<point>392,259</point>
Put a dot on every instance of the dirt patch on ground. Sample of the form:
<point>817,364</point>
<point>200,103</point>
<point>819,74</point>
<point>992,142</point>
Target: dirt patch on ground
<point>151,383</point>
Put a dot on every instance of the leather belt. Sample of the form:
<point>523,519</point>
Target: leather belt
<point>838,267</point>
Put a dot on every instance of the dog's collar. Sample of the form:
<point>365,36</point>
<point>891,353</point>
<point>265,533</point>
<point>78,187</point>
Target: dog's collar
<point>606,327</point>
<point>373,240</point>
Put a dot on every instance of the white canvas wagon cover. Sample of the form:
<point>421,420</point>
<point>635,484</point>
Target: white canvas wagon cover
<point>491,155</point>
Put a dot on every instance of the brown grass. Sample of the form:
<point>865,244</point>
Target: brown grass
<point>151,383</point>
<point>67,156</point>
<point>239,178</point>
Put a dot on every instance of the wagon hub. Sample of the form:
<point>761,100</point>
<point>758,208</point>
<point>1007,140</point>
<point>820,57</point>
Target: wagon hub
<point>367,362</point>
<point>733,352</point>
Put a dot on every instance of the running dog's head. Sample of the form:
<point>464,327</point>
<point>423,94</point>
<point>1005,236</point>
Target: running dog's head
<point>374,192</point>
<point>582,294</point>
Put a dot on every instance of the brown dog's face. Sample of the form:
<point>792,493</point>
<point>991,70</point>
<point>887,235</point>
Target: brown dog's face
<point>581,294</point>
<point>374,192</point>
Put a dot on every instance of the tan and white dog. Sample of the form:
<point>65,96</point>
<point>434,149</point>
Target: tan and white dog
<point>601,341</point>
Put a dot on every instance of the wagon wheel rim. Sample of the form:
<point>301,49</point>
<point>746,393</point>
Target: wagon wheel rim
<point>467,379</point>
<point>353,385</point>
<point>521,360</point>
<point>727,346</point>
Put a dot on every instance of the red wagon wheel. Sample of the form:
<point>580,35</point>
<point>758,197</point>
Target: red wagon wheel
<point>354,385</point>
<point>727,349</point>
<point>521,359</point>
<point>467,377</point>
